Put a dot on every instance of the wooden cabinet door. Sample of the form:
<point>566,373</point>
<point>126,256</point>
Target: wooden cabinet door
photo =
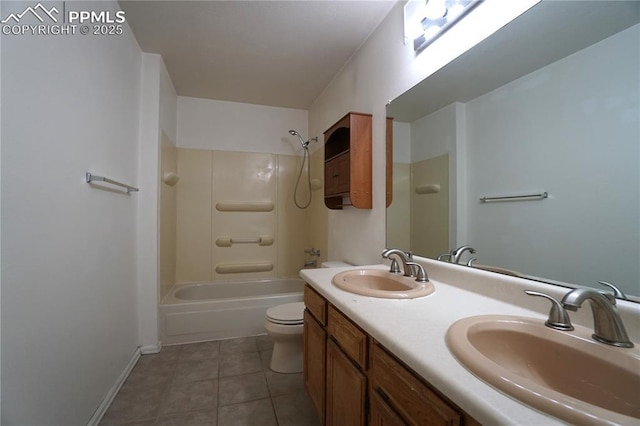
<point>382,414</point>
<point>346,390</point>
<point>315,344</point>
<point>337,177</point>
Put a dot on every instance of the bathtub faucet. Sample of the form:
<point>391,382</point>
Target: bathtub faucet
<point>311,264</point>
<point>313,252</point>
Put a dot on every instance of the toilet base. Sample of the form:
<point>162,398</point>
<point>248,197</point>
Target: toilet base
<point>288,345</point>
<point>287,357</point>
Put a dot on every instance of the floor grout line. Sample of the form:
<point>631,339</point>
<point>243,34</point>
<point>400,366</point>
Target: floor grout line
<point>156,366</point>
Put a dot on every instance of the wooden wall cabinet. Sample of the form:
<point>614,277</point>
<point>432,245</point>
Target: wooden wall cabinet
<point>347,162</point>
<point>363,383</point>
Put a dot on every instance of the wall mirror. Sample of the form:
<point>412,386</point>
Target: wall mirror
<point>549,103</point>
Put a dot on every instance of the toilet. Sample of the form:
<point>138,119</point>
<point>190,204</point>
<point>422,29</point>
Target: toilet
<point>285,325</point>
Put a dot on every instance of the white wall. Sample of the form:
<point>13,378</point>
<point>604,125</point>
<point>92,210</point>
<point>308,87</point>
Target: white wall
<point>434,135</point>
<point>572,129</point>
<point>442,132</point>
<point>233,126</point>
<point>70,105</point>
<point>401,142</point>
<point>158,114</point>
<point>383,68</point>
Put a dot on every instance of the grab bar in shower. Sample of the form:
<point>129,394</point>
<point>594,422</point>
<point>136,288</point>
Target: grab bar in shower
<point>263,240</point>
<point>235,268</point>
<point>93,178</point>
<point>524,197</point>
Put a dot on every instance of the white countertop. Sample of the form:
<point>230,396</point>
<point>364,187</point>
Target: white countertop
<point>414,330</point>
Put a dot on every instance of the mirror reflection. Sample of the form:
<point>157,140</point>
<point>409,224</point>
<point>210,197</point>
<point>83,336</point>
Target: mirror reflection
<point>548,104</point>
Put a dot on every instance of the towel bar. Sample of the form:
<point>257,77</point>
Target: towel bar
<point>525,197</point>
<point>93,178</point>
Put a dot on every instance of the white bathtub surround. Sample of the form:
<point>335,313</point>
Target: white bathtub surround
<point>243,203</point>
<point>414,330</point>
<point>199,312</point>
<point>168,215</point>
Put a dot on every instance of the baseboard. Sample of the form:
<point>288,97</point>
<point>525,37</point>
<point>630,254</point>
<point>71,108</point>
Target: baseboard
<point>108,399</point>
<point>150,349</point>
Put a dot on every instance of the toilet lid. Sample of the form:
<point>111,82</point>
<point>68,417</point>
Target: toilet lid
<point>289,313</point>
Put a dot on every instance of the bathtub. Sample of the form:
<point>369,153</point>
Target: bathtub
<point>222,310</point>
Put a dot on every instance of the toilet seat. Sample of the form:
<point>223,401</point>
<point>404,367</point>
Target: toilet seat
<point>287,314</point>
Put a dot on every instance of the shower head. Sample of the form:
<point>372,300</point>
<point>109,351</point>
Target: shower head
<point>302,142</point>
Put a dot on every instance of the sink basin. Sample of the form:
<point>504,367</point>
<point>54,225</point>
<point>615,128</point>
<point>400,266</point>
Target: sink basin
<point>379,283</point>
<point>565,374</point>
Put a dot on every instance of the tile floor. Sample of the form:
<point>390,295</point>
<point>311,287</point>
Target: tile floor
<point>223,383</point>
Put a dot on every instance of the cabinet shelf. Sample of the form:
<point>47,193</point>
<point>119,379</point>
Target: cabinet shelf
<point>337,155</point>
<point>347,162</point>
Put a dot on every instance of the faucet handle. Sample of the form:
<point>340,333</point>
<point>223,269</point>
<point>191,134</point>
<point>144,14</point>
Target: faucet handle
<point>421,276</point>
<point>558,317</point>
<point>395,268</point>
<point>470,262</point>
<point>617,293</point>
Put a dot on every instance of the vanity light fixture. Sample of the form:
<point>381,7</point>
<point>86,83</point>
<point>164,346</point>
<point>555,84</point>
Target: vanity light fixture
<point>426,20</point>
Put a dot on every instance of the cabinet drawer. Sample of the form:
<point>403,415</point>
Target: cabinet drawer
<point>351,339</point>
<point>408,395</point>
<point>337,175</point>
<point>316,304</point>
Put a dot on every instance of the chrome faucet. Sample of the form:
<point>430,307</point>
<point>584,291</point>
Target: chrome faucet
<point>443,256</point>
<point>405,257</point>
<point>607,324</point>
<point>456,254</point>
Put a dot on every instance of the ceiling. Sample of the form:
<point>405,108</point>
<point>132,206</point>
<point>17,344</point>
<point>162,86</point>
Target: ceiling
<point>278,53</point>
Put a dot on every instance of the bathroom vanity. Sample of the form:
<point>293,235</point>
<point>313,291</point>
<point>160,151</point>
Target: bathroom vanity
<point>349,375</point>
<point>380,361</point>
